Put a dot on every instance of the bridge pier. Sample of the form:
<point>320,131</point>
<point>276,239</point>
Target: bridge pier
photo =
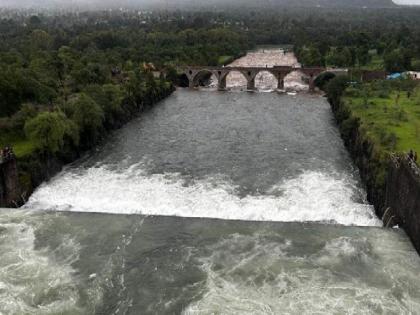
<point>221,83</point>
<point>280,80</point>
<point>250,75</point>
<point>311,84</point>
<point>191,74</point>
<point>250,84</point>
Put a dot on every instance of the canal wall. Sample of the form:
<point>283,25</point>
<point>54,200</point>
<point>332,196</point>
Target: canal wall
<point>9,183</point>
<point>403,197</point>
<point>392,182</point>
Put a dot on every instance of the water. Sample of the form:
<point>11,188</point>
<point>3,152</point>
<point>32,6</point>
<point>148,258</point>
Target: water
<point>209,203</point>
<point>220,155</point>
<point>85,263</point>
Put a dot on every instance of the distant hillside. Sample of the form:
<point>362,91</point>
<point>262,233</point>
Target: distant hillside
<point>198,3</point>
<point>347,3</point>
<point>293,3</point>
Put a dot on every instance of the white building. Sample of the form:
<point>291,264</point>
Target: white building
<point>415,75</point>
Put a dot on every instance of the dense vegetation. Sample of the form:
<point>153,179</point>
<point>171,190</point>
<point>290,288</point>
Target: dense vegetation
<point>74,77</point>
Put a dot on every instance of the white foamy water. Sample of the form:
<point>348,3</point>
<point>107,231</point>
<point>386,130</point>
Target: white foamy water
<point>311,196</point>
<point>260,275</point>
<point>35,281</point>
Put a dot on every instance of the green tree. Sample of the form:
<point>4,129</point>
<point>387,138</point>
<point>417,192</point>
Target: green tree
<point>109,97</point>
<point>336,87</point>
<point>311,57</point>
<point>49,129</point>
<point>340,57</point>
<point>415,65</point>
<point>397,60</point>
<point>87,115</point>
<point>10,95</point>
<point>40,40</point>
<point>172,75</point>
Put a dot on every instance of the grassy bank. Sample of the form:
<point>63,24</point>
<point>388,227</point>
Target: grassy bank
<point>21,145</point>
<point>375,120</point>
<point>389,113</point>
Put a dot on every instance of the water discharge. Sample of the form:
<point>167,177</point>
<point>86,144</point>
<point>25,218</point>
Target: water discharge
<point>220,155</point>
<point>131,229</point>
<point>312,196</point>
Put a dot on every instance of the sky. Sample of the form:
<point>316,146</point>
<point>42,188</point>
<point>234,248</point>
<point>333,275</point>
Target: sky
<point>407,1</point>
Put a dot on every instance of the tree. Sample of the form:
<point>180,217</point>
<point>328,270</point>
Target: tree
<point>49,129</point>
<point>322,80</point>
<point>172,75</point>
<point>336,87</point>
<point>311,57</point>
<point>362,55</point>
<point>87,115</point>
<point>340,57</point>
<point>397,60</point>
<point>40,40</point>
<point>109,97</point>
<point>10,95</point>
<point>415,65</point>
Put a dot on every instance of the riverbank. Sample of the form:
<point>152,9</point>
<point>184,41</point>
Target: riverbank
<point>379,125</point>
<point>22,174</point>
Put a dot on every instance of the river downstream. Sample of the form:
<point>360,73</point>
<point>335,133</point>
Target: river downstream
<point>209,203</point>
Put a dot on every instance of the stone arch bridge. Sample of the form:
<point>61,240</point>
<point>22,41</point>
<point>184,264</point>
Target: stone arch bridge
<point>196,74</point>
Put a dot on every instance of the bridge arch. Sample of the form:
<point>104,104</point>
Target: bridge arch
<point>201,77</point>
<point>266,80</point>
<point>234,79</point>
<point>296,79</point>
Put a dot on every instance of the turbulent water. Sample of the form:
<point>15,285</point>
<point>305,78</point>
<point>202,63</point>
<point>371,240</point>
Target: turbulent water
<point>75,263</point>
<point>220,155</point>
<point>131,229</point>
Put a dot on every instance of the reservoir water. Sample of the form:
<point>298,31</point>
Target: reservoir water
<point>209,203</point>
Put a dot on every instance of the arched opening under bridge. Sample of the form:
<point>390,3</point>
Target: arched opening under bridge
<point>265,80</point>
<point>296,80</point>
<point>205,78</point>
<point>236,80</point>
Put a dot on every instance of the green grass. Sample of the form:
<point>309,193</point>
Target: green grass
<point>21,146</point>
<point>383,118</point>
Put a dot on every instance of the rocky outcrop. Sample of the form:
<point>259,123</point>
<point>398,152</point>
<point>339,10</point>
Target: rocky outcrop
<point>9,183</point>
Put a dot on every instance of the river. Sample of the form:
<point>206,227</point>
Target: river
<point>209,203</point>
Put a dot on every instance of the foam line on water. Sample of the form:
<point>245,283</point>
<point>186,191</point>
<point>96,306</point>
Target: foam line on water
<point>311,196</point>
